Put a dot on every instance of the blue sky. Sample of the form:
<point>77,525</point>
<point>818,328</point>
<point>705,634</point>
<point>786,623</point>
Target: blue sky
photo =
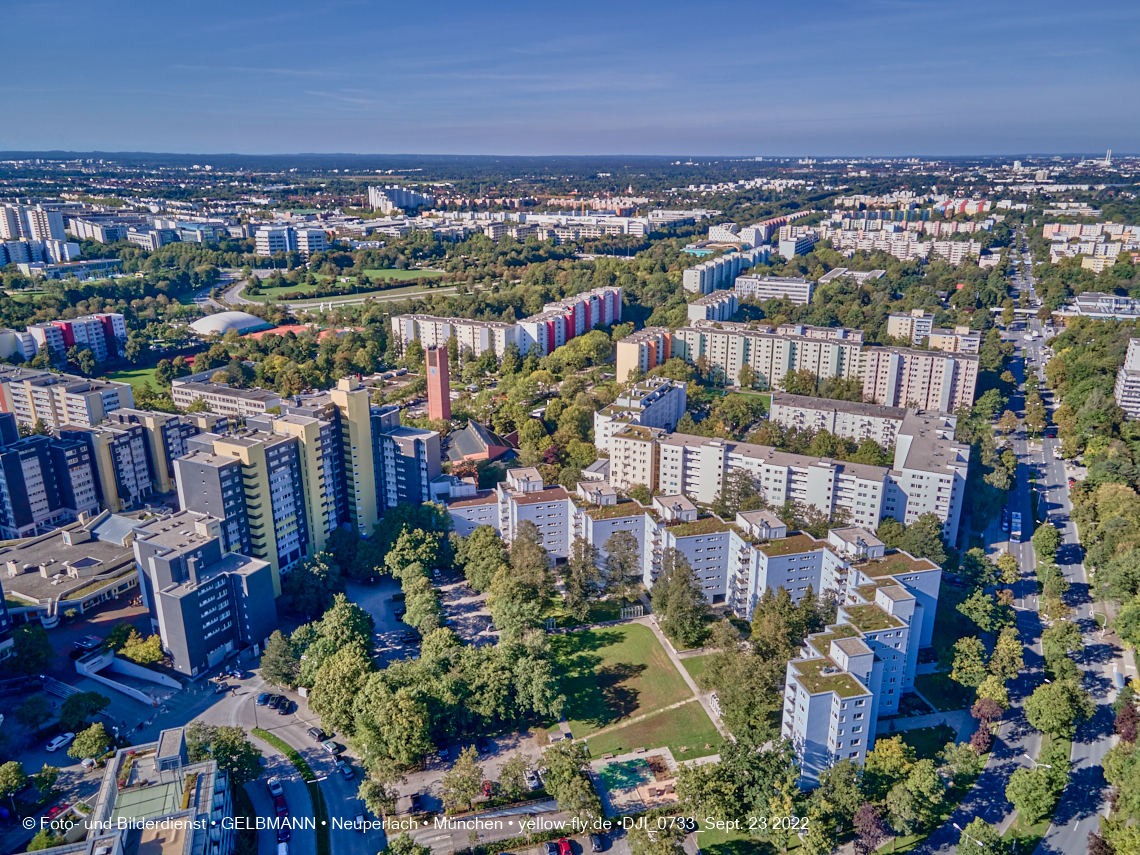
<point>891,77</point>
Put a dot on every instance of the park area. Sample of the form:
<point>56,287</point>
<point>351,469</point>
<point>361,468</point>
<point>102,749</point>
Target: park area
<point>386,283</point>
<point>613,674</point>
<point>687,731</point>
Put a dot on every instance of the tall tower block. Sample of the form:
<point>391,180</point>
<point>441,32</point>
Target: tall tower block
<point>438,384</point>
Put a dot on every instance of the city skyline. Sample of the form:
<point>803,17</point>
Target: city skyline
<point>764,80</point>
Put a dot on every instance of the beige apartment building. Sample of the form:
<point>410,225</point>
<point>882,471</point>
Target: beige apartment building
<point>59,399</point>
<point>643,350</point>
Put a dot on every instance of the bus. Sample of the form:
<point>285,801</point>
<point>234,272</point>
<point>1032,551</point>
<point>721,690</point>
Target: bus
<point>1015,528</point>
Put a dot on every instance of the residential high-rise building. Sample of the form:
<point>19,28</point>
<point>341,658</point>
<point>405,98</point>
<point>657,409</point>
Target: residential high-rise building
<point>123,465</point>
<point>638,352</point>
<point>59,399</point>
<point>654,402</point>
<point>771,353</point>
<point>166,437</point>
<point>405,459</point>
<point>1127,390</point>
<point>387,199</point>
<point>717,306</point>
<point>915,326</point>
<point>438,384</point>
<point>204,602</point>
<point>717,273</point>
<point>902,377</point>
<point>850,419</point>
<point>269,240</point>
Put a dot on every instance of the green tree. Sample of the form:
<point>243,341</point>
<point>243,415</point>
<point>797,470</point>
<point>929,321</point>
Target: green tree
<point>1030,794</point>
<point>1057,708</point>
<point>623,565</point>
<point>143,651</point>
<point>337,684</point>
<point>312,585</point>
<point>961,761</point>
<point>746,377</point>
<point>75,711</point>
<point>923,539</point>
<point>512,776</point>
<point>1008,568</point>
<point>891,532</point>
<point>664,841</point>
<point>32,652</point>
<point>480,555</point>
<point>280,666</point>
<point>1007,660</point>
<point>678,601</point>
<point>969,662</point>
<point>34,712</point>
<point>233,751</point>
<point>1045,542</point>
<point>981,838</point>
<point>885,766</point>
<point>13,778</point>
<point>44,780</point>
<point>391,725</point>
<point>378,797</point>
<point>45,839</point>
<point>90,743</point>
<point>1058,642</point>
<point>977,569</point>
<point>405,844</point>
<point>462,782</point>
<point>566,780</point>
<point>580,578</point>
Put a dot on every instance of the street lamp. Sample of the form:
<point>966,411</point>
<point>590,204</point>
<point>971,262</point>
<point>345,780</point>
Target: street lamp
<point>968,837</point>
<point>1036,765</point>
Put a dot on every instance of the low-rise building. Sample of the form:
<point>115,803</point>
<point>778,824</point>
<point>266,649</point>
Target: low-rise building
<point>223,400</point>
<point>915,325</point>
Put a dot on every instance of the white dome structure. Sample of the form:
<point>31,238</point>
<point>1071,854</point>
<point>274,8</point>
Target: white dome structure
<point>223,322</point>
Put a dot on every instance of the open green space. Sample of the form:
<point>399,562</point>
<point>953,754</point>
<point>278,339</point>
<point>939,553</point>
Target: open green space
<point>687,731</point>
<point>381,277</point>
<point>137,377</point>
<point>732,842</point>
<point>942,692</point>
<point>612,674</point>
<point>928,741</point>
<point>604,610</point>
<point>695,665</point>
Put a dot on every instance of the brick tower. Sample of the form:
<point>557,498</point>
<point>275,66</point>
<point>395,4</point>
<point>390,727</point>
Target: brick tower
<point>438,384</point>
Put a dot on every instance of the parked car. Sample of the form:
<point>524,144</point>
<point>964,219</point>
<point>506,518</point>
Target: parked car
<point>263,699</point>
<point>61,741</point>
<point>401,611</point>
<point>275,701</point>
<point>331,747</point>
<point>410,638</point>
<point>417,803</point>
<point>488,789</point>
<point>482,746</point>
<point>287,706</point>
<point>55,811</point>
<point>280,806</point>
<point>89,643</point>
<point>1072,481</point>
<point>564,847</point>
<point>358,823</point>
<point>549,848</point>
<point>275,788</point>
<point>532,781</point>
<point>596,844</point>
<point>444,754</point>
<point>345,770</point>
<point>1005,518</point>
<point>284,833</point>
<point>435,572</point>
<point>316,734</point>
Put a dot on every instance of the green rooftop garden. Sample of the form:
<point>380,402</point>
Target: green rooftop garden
<point>813,678</point>
<point>704,525</point>
<point>870,618</point>
<point>621,509</point>
<point>894,564</point>
<point>791,545</point>
<point>822,642</point>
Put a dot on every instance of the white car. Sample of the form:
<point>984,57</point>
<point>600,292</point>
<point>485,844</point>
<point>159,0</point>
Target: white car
<point>61,741</point>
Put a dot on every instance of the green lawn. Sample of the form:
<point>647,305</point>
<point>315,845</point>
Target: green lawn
<point>942,692</point>
<point>382,277</point>
<point>137,377</point>
<point>612,674</point>
<point>695,665</point>
<point>717,842</point>
<point>600,612</point>
<point>686,731</point>
<point>928,741</point>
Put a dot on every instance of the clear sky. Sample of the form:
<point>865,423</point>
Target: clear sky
<point>891,77</point>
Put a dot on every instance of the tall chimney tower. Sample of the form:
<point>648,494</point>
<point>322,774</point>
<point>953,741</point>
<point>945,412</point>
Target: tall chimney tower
<point>438,384</point>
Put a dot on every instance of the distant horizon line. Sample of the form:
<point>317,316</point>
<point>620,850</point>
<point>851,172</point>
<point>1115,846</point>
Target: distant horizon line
<point>21,154</point>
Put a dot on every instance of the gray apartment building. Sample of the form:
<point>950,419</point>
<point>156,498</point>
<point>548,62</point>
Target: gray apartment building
<point>204,602</point>
<point>406,459</point>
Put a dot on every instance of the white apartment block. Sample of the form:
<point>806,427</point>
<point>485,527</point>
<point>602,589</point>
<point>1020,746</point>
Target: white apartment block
<point>386,199</point>
<point>728,346</point>
<point>48,335</point>
<point>916,325</point>
<point>859,276</point>
<point>929,472</point>
<point>902,377</point>
<point>716,273</point>
<point>858,668</point>
<point>842,418</point>
<point>553,327</point>
<point>724,233</point>
<point>758,288</point>
<point>1127,390</point>
<point>800,244</point>
<point>654,402</point>
<point>270,240</point>
<point>33,223</point>
<point>717,306</point>
<point>59,399</point>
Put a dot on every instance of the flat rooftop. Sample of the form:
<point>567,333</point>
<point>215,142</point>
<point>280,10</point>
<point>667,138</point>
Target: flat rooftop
<point>803,402</point>
<point>51,550</point>
<point>823,675</point>
<point>551,494</point>
<point>792,545</point>
<point>895,563</point>
<point>259,395</point>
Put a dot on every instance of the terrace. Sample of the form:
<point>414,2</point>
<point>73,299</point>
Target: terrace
<point>629,508</point>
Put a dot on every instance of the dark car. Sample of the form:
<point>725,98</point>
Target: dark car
<point>482,746</point>
<point>287,706</point>
<point>316,734</point>
<point>280,806</point>
<point>410,638</point>
<point>1005,519</point>
<point>263,699</point>
<point>345,770</point>
<point>417,803</point>
<point>549,848</point>
<point>401,611</point>
<point>275,701</point>
<point>596,844</point>
<point>284,833</point>
<point>89,643</point>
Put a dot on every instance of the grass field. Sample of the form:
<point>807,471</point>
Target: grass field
<point>686,731</point>
<point>718,842</point>
<point>612,674</point>
<point>599,613</point>
<point>928,741</point>
<point>137,377</point>
<point>378,276</point>
<point>942,692</point>
<point>695,665</point>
